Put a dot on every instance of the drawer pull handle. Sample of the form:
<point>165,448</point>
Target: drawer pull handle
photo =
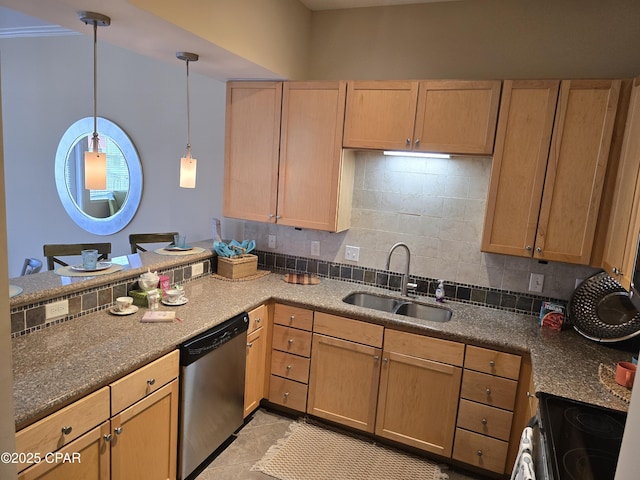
<point>290,341</point>
<point>479,453</point>
<point>258,320</point>
<point>488,391</point>
<point>250,344</point>
<point>151,381</point>
<point>492,363</point>
<point>66,430</point>
<point>288,367</point>
<point>108,437</point>
<point>118,430</point>
<point>483,421</point>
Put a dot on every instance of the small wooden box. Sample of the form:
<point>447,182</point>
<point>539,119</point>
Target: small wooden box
<point>238,267</point>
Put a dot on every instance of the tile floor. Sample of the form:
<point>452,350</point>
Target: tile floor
<point>253,441</point>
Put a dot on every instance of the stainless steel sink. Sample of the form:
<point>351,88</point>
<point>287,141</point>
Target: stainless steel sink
<point>399,306</point>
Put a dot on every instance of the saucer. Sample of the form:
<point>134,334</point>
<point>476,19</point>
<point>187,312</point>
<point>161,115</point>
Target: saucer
<point>131,309</point>
<point>99,266</point>
<point>175,248</point>
<point>175,304</point>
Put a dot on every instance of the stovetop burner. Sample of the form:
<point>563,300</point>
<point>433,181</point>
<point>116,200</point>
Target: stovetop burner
<point>583,440</point>
<point>594,422</point>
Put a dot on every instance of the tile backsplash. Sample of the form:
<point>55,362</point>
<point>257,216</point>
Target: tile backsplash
<point>436,206</point>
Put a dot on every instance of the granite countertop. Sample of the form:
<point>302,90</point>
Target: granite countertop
<point>57,365</point>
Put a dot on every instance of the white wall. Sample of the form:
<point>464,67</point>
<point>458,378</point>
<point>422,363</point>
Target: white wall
<point>48,85</point>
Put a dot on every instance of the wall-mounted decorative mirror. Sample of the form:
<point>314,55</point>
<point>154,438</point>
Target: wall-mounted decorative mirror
<point>102,212</point>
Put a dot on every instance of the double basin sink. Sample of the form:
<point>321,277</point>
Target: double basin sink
<point>399,306</point>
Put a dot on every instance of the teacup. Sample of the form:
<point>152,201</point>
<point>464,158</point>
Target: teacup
<point>625,374</point>
<point>123,303</point>
<point>89,259</point>
<point>180,241</point>
<point>174,295</point>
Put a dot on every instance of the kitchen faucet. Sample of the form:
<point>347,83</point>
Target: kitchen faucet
<point>405,277</point>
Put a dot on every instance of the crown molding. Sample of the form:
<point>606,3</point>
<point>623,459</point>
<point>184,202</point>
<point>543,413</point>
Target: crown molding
<point>36,31</point>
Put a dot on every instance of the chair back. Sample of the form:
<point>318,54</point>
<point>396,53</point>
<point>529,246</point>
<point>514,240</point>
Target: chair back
<point>52,251</point>
<point>135,239</point>
<point>31,265</point>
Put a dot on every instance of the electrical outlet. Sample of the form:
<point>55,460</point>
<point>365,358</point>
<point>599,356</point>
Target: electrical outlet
<point>352,253</point>
<point>56,310</point>
<point>315,248</point>
<point>536,282</point>
<point>197,269</point>
<point>272,241</point>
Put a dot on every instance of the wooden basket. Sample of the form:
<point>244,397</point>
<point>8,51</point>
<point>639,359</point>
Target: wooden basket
<point>238,267</point>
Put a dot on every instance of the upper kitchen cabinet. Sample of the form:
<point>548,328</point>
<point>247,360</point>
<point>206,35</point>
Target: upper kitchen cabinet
<point>624,224</point>
<point>283,154</point>
<point>315,183</point>
<point>449,116</point>
<point>552,215</point>
<point>252,146</point>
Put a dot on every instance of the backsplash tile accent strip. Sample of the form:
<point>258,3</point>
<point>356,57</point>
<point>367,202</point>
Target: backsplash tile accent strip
<point>30,318</point>
<point>473,294</point>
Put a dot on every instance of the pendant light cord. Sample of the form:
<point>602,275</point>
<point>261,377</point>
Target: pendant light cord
<point>95,140</point>
<point>188,115</point>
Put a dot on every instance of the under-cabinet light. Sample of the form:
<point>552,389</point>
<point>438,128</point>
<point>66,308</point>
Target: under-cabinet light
<point>416,154</point>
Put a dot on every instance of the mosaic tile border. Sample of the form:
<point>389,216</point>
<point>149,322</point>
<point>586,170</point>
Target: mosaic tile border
<point>473,294</point>
<point>30,318</point>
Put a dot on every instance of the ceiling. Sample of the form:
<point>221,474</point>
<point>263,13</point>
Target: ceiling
<point>138,30</point>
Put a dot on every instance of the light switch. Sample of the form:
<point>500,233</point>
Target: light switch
<point>536,282</point>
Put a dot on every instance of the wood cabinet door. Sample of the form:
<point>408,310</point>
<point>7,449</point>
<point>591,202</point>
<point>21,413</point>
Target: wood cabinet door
<point>87,459</point>
<point>418,402</point>
<point>310,174</point>
<point>519,164</point>
<point>576,170</point>
<point>380,114</point>
<point>456,116</point>
<point>144,444</point>
<point>255,370</point>
<point>252,142</point>
<point>622,233</point>
<point>343,383</point>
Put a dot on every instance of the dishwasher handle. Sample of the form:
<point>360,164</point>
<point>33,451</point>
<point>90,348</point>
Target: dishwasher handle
<point>193,349</point>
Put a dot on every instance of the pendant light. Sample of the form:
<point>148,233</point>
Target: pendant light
<point>95,163</point>
<point>188,163</point>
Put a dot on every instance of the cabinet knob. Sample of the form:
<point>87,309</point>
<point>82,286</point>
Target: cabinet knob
<point>66,430</point>
<point>118,430</point>
<point>289,367</point>
<point>151,381</point>
<point>616,271</point>
<point>290,341</point>
<point>278,217</point>
<point>531,395</point>
<point>483,421</point>
<point>492,363</point>
<point>528,248</point>
<point>417,142</point>
<point>271,215</point>
<point>539,249</point>
<point>385,360</point>
<point>488,390</point>
<point>108,437</point>
<point>479,453</point>
<point>408,142</point>
<point>376,358</point>
<point>250,344</point>
<point>286,394</point>
<point>292,318</point>
<point>258,320</point>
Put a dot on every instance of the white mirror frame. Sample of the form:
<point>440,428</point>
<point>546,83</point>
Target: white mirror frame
<point>117,221</point>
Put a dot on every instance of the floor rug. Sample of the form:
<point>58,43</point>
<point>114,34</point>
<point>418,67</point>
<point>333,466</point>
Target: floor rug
<point>309,452</point>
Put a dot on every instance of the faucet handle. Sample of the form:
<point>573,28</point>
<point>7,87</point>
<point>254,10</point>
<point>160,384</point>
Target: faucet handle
<point>412,286</point>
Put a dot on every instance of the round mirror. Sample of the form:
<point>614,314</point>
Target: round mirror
<point>102,212</point>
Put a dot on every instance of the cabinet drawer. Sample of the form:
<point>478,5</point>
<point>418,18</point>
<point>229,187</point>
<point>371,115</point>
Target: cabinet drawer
<point>495,391</point>
<point>348,329</point>
<point>257,318</point>
<point>293,317</point>
<point>435,349</point>
<point>480,451</point>
<point>290,366</point>
<point>291,340</point>
<point>495,363</point>
<point>288,393</point>
<point>128,390</point>
<point>484,419</point>
<point>64,426</point>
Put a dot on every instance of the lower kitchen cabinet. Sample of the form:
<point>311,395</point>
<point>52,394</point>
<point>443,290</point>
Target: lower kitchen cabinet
<point>345,370</point>
<point>139,440</point>
<point>256,357</point>
<point>419,387</point>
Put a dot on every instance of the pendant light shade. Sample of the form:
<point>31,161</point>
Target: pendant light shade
<point>188,163</point>
<point>95,163</point>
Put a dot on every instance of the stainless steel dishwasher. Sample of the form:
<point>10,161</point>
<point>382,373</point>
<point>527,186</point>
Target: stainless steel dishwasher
<point>212,367</point>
